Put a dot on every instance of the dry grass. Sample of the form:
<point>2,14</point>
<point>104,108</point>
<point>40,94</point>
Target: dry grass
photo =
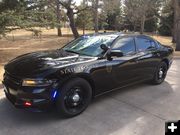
<point>164,40</point>
<point>24,42</point>
<point>20,42</point>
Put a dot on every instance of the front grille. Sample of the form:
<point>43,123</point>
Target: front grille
<point>12,81</point>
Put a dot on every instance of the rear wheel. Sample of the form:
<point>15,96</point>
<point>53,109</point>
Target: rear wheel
<point>74,97</point>
<point>160,73</point>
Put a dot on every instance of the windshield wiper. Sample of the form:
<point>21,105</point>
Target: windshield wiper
<point>71,51</point>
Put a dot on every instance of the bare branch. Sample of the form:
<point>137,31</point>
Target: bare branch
<point>81,10</point>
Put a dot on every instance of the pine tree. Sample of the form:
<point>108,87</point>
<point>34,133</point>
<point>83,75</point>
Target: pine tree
<point>25,14</point>
<point>139,11</point>
<point>112,10</point>
<point>166,19</point>
<point>84,19</point>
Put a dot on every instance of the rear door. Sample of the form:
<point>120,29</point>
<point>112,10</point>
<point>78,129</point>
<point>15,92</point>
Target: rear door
<point>148,56</point>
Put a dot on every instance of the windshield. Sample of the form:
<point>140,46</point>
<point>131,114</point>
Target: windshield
<point>89,45</point>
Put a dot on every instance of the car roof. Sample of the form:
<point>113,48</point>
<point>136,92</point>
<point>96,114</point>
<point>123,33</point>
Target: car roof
<point>117,34</point>
<point>106,34</point>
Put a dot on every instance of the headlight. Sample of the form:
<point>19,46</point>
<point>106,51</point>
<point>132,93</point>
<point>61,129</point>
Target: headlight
<point>36,82</point>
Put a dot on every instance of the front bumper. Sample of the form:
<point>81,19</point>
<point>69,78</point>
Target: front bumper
<point>170,62</point>
<point>40,97</point>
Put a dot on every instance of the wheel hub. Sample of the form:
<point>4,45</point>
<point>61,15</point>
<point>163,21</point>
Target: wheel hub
<point>76,97</point>
<point>161,73</point>
<point>73,98</point>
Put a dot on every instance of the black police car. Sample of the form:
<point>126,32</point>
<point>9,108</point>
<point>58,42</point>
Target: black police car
<point>68,78</point>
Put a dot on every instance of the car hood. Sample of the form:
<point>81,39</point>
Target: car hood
<point>36,63</point>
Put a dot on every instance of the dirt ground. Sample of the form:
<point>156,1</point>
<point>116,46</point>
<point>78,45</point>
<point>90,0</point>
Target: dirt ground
<point>20,42</point>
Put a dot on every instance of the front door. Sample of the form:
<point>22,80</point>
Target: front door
<point>124,69</point>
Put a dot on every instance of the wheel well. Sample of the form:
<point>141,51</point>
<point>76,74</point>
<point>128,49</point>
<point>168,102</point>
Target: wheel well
<point>85,77</point>
<point>90,81</point>
<point>166,61</point>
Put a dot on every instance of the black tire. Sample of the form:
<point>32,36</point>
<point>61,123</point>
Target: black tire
<point>160,73</point>
<point>67,103</point>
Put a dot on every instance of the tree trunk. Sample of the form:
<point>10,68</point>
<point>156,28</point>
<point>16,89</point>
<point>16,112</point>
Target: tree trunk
<point>177,31</point>
<point>96,20</point>
<point>178,38</point>
<point>142,24</point>
<point>174,23</point>
<point>59,32</point>
<point>84,28</point>
<point>70,15</point>
<point>84,25</point>
<point>173,32</point>
<point>134,27</point>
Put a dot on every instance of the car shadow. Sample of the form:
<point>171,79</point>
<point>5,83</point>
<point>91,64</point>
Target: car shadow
<point>154,92</point>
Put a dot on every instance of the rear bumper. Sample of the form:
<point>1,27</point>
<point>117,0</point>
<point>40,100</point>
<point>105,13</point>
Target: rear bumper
<point>41,101</point>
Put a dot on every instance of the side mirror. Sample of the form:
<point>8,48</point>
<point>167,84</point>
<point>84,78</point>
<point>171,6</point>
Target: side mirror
<point>104,47</point>
<point>116,53</point>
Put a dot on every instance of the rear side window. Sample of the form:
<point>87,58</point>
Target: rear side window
<point>144,44</point>
<point>126,45</point>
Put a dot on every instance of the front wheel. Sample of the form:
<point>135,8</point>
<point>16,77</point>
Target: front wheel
<point>74,97</point>
<point>160,73</point>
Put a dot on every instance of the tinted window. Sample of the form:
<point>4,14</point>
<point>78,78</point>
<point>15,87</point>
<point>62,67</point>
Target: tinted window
<point>144,44</point>
<point>126,45</point>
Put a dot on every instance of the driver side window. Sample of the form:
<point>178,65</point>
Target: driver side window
<point>126,45</point>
